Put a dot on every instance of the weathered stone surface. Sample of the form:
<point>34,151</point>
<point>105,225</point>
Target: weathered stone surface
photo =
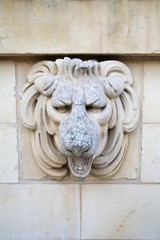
<point>28,166</point>
<point>79,114</point>
<point>120,211</point>
<point>30,170</point>
<point>8,153</point>
<point>150,166</point>
<point>7,92</point>
<point>108,211</point>
<point>130,166</point>
<point>39,212</point>
<point>151,110</point>
<point>93,26</point>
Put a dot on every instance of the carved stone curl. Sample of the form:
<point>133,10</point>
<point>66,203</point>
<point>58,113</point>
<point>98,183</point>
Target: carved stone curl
<point>80,114</point>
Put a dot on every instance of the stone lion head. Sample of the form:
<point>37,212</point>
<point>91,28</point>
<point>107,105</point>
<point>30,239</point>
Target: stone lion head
<point>80,114</point>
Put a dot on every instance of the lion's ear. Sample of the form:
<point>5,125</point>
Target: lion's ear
<point>117,82</point>
<point>116,76</point>
<point>43,75</point>
<point>40,80</point>
<point>41,69</point>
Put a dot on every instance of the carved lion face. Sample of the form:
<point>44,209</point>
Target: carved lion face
<point>79,114</point>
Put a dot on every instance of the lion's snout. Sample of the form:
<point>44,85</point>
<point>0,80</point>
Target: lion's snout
<point>77,141</point>
<point>78,136</point>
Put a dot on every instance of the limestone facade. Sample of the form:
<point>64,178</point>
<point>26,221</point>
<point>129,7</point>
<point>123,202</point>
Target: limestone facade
<point>125,206</point>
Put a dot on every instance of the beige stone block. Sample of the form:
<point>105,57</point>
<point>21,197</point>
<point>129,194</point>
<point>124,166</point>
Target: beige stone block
<point>120,212</point>
<point>7,92</point>
<point>150,166</point>
<point>151,111</point>
<point>95,26</point>
<point>130,166</point>
<point>8,153</point>
<point>39,212</point>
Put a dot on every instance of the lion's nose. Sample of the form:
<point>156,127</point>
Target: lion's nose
<point>76,132</point>
<point>78,150</point>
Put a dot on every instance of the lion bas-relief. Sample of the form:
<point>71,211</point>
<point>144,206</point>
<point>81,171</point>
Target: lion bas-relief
<point>79,114</point>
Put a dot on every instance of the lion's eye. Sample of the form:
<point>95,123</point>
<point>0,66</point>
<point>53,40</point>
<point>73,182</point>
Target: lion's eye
<point>63,109</point>
<point>94,109</point>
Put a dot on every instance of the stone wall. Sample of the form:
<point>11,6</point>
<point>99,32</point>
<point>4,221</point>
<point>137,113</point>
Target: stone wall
<point>126,206</point>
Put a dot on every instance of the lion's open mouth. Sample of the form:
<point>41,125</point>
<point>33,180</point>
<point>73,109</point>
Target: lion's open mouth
<point>79,166</point>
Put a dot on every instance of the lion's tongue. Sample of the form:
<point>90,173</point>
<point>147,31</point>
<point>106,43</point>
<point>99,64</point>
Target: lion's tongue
<point>79,166</point>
